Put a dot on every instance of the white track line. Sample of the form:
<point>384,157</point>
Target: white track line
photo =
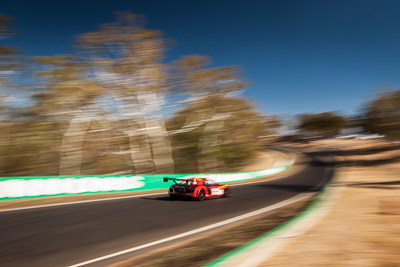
<point>79,202</point>
<point>278,205</point>
<point>115,198</point>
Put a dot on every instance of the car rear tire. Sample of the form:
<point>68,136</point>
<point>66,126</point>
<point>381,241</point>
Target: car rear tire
<point>172,197</point>
<point>202,195</point>
<point>227,192</point>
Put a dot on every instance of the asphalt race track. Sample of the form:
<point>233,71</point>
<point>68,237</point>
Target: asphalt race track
<point>71,234</point>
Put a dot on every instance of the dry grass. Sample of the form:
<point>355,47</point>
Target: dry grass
<point>211,245</point>
<point>362,229</point>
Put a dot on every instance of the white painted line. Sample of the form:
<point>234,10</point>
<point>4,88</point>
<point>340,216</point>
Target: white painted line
<point>261,181</point>
<point>278,205</point>
<point>112,198</point>
<point>116,198</point>
<point>260,251</point>
<point>79,202</point>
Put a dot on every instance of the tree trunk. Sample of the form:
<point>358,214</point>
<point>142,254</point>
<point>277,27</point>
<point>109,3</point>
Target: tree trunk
<point>209,145</point>
<point>72,146</point>
<point>160,146</point>
<point>156,132</point>
<point>140,151</point>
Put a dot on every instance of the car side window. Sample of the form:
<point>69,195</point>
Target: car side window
<point>210,182</point>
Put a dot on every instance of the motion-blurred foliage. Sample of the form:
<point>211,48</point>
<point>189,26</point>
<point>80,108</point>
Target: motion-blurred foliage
<point>214,134</point>
<point>382,114</point>
<point>327,123</point>
<point>101,109</point>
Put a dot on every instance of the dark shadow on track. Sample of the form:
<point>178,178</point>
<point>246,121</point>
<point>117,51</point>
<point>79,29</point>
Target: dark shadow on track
<point>337,161</point>
<point>158,198</point>
<point>381,185</point>
<point>361,151</point>
<point>293,187</point>
<point>377,162</point>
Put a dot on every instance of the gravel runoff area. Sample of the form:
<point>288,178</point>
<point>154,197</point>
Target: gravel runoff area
<point>263,160</point>
<point>362,228</point>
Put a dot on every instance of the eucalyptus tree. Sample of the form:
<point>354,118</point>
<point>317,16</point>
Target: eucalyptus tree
<point>382,114</point>
<point>199,83</point>
<point>224,148</point>
<point>68,95</point>
<point>327,123</point>
<point>211,106</point>
<point>9,63</point>
<point>7,54</point>
<point>124,57</point>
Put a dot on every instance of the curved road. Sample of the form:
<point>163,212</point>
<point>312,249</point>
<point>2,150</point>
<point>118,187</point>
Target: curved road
<point>71,234</point>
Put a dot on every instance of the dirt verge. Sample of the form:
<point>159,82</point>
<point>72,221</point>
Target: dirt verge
<point>363,227</point>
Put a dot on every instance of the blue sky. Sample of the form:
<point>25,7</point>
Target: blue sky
<point>300,56</point>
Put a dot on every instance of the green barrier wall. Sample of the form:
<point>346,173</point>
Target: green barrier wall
<point>27,187</point>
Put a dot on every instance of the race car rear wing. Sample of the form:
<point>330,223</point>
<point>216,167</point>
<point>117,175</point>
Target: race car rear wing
<point>166,179</point>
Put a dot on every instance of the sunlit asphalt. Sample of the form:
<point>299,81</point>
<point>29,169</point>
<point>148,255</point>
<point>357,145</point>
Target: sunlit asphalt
<point>66,235</point>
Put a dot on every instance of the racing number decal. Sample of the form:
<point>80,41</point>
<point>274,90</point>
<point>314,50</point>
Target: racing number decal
<point>217,191</point>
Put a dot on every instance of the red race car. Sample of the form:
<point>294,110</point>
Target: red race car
<point>196,188</point>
